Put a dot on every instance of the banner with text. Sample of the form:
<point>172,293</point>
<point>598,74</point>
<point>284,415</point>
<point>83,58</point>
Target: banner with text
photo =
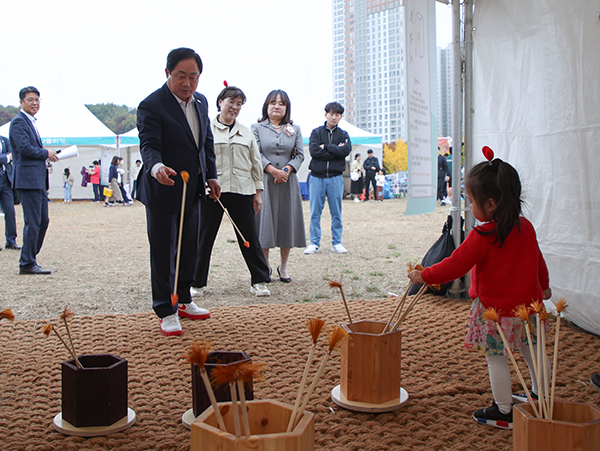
<point>421,100</point>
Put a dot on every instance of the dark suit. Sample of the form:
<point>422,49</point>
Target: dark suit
<point>7,198</point>
<point>31,182</point>
<point>166,137</point>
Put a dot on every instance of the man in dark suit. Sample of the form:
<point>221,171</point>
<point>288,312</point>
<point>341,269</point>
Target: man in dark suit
<point>7,197</point>
<point>31,178</point>
<point>175,136</point>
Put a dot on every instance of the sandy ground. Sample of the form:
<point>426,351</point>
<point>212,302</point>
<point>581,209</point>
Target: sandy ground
<point>99,259</point>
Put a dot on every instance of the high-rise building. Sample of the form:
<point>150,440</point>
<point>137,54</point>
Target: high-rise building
<point>444,77</point>
<point>369,65</point>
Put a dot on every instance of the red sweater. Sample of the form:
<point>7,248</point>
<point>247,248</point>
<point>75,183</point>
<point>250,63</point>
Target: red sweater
<point>502,277</point>
<point>95,176</point>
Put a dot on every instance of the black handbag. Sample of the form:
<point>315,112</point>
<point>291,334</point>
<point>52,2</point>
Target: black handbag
<point>442,248</point>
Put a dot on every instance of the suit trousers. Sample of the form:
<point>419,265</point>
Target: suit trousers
<point>7,200</point>
<point>35,217</point>
<point>240,209</point>
<point>163,235</point>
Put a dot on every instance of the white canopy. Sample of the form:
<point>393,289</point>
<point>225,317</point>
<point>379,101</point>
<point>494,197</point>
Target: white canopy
<point>62,122</point>
<point>536,96</point>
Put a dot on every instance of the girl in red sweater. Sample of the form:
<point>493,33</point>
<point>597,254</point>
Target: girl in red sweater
<point>507,270</point>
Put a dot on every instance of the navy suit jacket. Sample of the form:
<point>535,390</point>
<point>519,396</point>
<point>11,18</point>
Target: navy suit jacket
<point>29,155</point>
<point>6,149</point>
<point>166,137</point>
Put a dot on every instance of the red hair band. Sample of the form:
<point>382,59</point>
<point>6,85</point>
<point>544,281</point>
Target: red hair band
<point>488,154</point>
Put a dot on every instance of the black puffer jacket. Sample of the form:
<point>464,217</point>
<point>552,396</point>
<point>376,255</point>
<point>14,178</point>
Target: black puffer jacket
<point>329,161</point>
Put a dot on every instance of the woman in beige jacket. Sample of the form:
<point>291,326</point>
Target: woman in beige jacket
<point>240,174</point>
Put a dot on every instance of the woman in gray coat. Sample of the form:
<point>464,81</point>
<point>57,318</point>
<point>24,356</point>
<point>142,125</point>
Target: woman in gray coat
<point>280,221</point>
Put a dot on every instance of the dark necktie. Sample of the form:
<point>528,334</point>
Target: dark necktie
<point>2,171</point>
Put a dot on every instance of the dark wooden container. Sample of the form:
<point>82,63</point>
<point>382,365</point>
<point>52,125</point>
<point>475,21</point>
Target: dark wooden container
<point>95,395</point>
<point>218,358</point>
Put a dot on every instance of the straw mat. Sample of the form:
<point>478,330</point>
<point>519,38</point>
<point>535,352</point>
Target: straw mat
<point>445,383</point>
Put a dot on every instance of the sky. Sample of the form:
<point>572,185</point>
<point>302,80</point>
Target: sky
<point>112,51</point>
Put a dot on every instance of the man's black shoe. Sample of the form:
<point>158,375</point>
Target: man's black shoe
<point>12,246</point>
<point>35,269</point>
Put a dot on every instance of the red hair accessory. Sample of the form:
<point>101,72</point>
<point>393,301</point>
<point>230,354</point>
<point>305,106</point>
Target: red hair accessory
<point>225,83</point>
<point>488,153</point>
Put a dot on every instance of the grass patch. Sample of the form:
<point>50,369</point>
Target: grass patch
<point>372,289</point>
<point>376,273</point>
<point>392,246</point>
<point>304,300</point>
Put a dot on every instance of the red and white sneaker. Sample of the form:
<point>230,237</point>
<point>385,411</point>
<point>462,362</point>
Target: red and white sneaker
<point>169,325</point>
<point>192,311</point>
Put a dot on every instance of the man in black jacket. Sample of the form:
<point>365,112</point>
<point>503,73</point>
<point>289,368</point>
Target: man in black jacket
<point>329,146</point>
<point>372,168</point>
<point>7,197</point>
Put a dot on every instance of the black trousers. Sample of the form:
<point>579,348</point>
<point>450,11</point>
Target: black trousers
<point>35,217</point>
<point>163,234</point>
<point>370,181</point>
<point>241,211</point>
<point>7,200</point>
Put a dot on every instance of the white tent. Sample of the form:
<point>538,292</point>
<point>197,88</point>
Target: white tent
<point>63,122</point>
<point>361,142</point>
<point>536,95</point>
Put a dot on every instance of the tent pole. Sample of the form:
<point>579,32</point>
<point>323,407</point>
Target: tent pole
<point>469,219</point>
<point>457,115</point>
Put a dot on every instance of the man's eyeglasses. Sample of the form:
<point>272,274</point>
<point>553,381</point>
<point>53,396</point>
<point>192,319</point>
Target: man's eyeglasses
<point>32,100</point>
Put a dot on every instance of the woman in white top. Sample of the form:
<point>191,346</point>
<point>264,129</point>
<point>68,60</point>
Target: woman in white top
<point>240,174</point>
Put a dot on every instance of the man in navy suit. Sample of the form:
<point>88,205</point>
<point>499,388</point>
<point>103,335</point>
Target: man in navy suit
<point>175,136</point>
<point>31,178</point>
<point>7,197</point>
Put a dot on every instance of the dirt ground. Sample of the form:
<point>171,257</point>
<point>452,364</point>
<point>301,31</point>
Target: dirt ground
<point>99,259</point>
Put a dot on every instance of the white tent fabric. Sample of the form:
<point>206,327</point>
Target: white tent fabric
<point>536,95</point>
<point>62,122</point>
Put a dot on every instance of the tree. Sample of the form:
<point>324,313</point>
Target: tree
<point>119,118</point>
<point>7,113</point>
<point>395,157</point>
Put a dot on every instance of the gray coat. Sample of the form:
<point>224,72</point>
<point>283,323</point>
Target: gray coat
<point>280,221</point>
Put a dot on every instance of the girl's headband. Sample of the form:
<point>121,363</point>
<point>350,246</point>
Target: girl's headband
<point>488,153</point>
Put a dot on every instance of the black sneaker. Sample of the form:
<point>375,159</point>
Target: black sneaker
<point>595,380</point>
<point>522,397</point>
<point>493,417</point>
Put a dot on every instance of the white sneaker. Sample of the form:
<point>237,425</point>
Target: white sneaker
<point>260,289</point>
<point>312,249</point>
<point>356,200</point>
<point>192,311</point>
<point>197,292</point>
<point>339,249</point>
<point>169,325</point>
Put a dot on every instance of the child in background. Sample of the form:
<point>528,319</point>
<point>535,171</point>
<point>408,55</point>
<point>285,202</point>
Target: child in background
<point>508,270</point>
<point>380,179</point>
<point>68,181</point>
